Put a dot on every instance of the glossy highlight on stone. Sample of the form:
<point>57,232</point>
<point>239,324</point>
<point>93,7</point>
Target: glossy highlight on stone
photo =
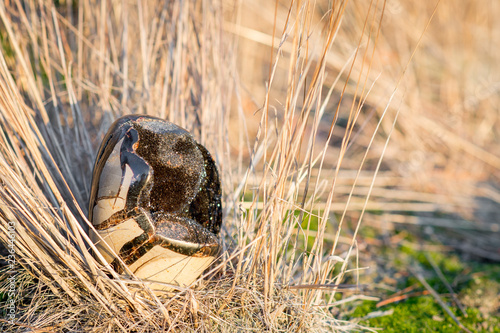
<point>156,201</point>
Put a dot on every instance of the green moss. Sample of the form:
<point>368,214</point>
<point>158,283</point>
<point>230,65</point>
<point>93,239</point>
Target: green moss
<point>477,285</point>
<point>423,314</point>
<point>452,264</point>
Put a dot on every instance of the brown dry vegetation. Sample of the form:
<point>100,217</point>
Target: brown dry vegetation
<point>323,117</point>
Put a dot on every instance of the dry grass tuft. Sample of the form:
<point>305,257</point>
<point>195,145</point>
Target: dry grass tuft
<point>67,71</point>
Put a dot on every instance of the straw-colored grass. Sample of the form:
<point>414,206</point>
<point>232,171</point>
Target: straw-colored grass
<point>66,73</point>
<point>441,166</point>
<point>310,109</point>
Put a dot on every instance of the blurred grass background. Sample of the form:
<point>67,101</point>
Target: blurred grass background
<point>437,194</point>
<point>369,130</point>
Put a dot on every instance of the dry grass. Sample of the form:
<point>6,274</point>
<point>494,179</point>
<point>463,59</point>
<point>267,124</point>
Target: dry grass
<point>66,74</point>
<point>297,103</point>
<point>441,168</point>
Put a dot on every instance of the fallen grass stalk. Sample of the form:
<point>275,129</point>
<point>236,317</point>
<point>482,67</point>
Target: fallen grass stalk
<point>438,299</point>
<point>337,287</point>
<point>399,298</point>
<point>446,283</point>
